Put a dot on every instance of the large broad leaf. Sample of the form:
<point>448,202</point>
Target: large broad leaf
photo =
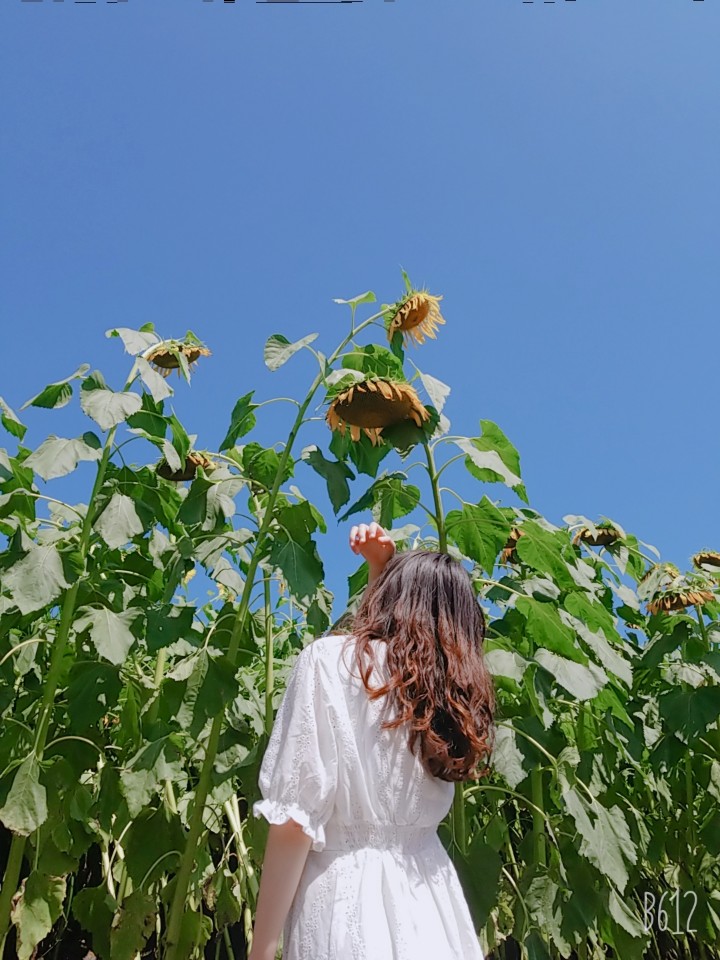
<point>135,341</point>
<point>544,903</point>
<point>25,807</point>
<point>506,757</point>
<point>93,690</point>
<point>132,925</point>
<point>299,564</point>
<point>491,458</point>
<point>690,712</point>
<point>605,654</point>
<point>146,773</point>
<point>583,682</point>
<point>10,421</point>
<point>543,551</point>
<point>108,408</point>
<point>606,842</point>
<point>110,632</point>
<point>480,877</point>
<point>211,686</point>
<point>436,390</point>
<point>368,297</point>
<point>242,420</point>
<point>546,629</point>
<point>34,914</point>
<point>93,908</point>
<point>37,579</point>
<point>374,361</point>
<point>158,386</point>
<point>389,498</point>
<point>119,522</point>
<point>506,663</point>
<point>278,349</point>
<point>56,456</point>
<point>335,473</point>
<point>57,394</point>
<point>480,532</point>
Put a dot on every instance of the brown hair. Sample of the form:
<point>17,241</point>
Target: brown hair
<point>424,607</point>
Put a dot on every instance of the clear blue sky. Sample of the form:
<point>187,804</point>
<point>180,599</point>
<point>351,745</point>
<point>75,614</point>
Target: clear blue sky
<point>552,169</point>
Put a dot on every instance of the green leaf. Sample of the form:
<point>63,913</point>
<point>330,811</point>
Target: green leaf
<point>335,473</point>
<point>39,906</point>
<point>25,807</point>
<point>299,564</point>
<point>195,931</point>
<point>146,773</point>
<point>506,757</point>
<point>36,580</point>
<point>505,467</point>
<point>480,877</point>
<point>56,456</point>
<point>110,632</point>
<point>57,394</point>
<point>543,551</point>
<point>92,692</point>
<point>690,712</point>
<point>363,454</point>
<point>480,532</point>
<point>93,908</point>
<point>167,625</point>
<point>108,408</point>
<point>135,341</point>
<point>546,629</point>
<point>390,497</point>
<point>211,686</point>
<point>119,522</point>
<point>132,925</point>
<point>374,361</point>
<point>242,420</point>
<point>368,297</point>
<point>583,682</point>
<point>278,349</point>
<point>262,464</point>
<point>10,421</point>
<point>604,652</point>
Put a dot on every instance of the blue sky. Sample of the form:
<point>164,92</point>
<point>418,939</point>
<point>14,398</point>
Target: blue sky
<point>551,169</point>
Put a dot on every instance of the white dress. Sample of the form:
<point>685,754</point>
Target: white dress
<point>378,883</point>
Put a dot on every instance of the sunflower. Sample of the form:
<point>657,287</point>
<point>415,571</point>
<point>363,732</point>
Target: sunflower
<point>165,356</point>
<point>509,555</point>
<point>603,534</point>
<point>705,559</point>
<point>188,472</point>
<point>678,599</point>
<point>417,315</point>
<point>660,569</point>
<point>371,405</point>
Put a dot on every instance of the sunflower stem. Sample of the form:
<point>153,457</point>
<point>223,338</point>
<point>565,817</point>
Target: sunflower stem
<point>269,654</point>
<point>187,861</point>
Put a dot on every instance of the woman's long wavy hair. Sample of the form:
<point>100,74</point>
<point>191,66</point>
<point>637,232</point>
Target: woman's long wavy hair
<point>424,607</point>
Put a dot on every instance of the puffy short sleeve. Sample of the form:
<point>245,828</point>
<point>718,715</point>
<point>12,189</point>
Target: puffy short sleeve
<point>298,775</point>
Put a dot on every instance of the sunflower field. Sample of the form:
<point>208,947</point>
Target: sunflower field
<point>134,718</point>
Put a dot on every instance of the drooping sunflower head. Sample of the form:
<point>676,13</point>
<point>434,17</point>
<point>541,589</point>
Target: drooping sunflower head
<point>370,405</point>
<point>708,561</point>
<point>678,599</point>
<point>188,471</point>
<point>603,534</point>
<point>171,355</point>
<point>416,315</point>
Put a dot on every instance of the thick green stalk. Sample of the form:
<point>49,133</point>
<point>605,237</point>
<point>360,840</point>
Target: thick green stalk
<point>17,846</point>
<point>182,883</point>
<point>269,659</point>
<point>458,813</point>
<point>536,787</point>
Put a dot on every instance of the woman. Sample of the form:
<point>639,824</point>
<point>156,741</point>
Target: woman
<point>357,777</point>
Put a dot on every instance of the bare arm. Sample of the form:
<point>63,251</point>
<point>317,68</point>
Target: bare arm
<point>285,855</point>
<point>372,543</point>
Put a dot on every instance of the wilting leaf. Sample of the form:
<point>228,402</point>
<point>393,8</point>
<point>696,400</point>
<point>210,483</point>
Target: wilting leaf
<point>37,579</point>
<point>132,925</point>
<point>242,421</point>
<point>25,807</point>
<point>108,408</point>
<point>158,386</point>
<point>56,456</point>
<point>119,522</point>
<point>335,473</point>
<point>110,632</point>
<point>39,906</point>
<point>135,341</point>
<point>480,532</point>
<point>278,349</point>
<point>57,394</point>
<point>506,758</point>
<point>10,421</point>
<point>436,390</point>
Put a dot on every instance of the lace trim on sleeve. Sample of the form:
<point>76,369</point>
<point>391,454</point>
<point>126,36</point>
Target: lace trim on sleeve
<point>276,812</point>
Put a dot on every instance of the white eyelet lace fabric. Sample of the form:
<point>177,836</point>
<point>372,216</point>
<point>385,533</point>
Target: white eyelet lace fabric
<point>377,884</point>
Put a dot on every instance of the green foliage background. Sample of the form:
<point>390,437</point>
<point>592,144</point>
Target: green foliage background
<point>134,720</point>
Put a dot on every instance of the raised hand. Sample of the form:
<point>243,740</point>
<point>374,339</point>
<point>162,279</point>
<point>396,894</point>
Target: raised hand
<point>372,543</point>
